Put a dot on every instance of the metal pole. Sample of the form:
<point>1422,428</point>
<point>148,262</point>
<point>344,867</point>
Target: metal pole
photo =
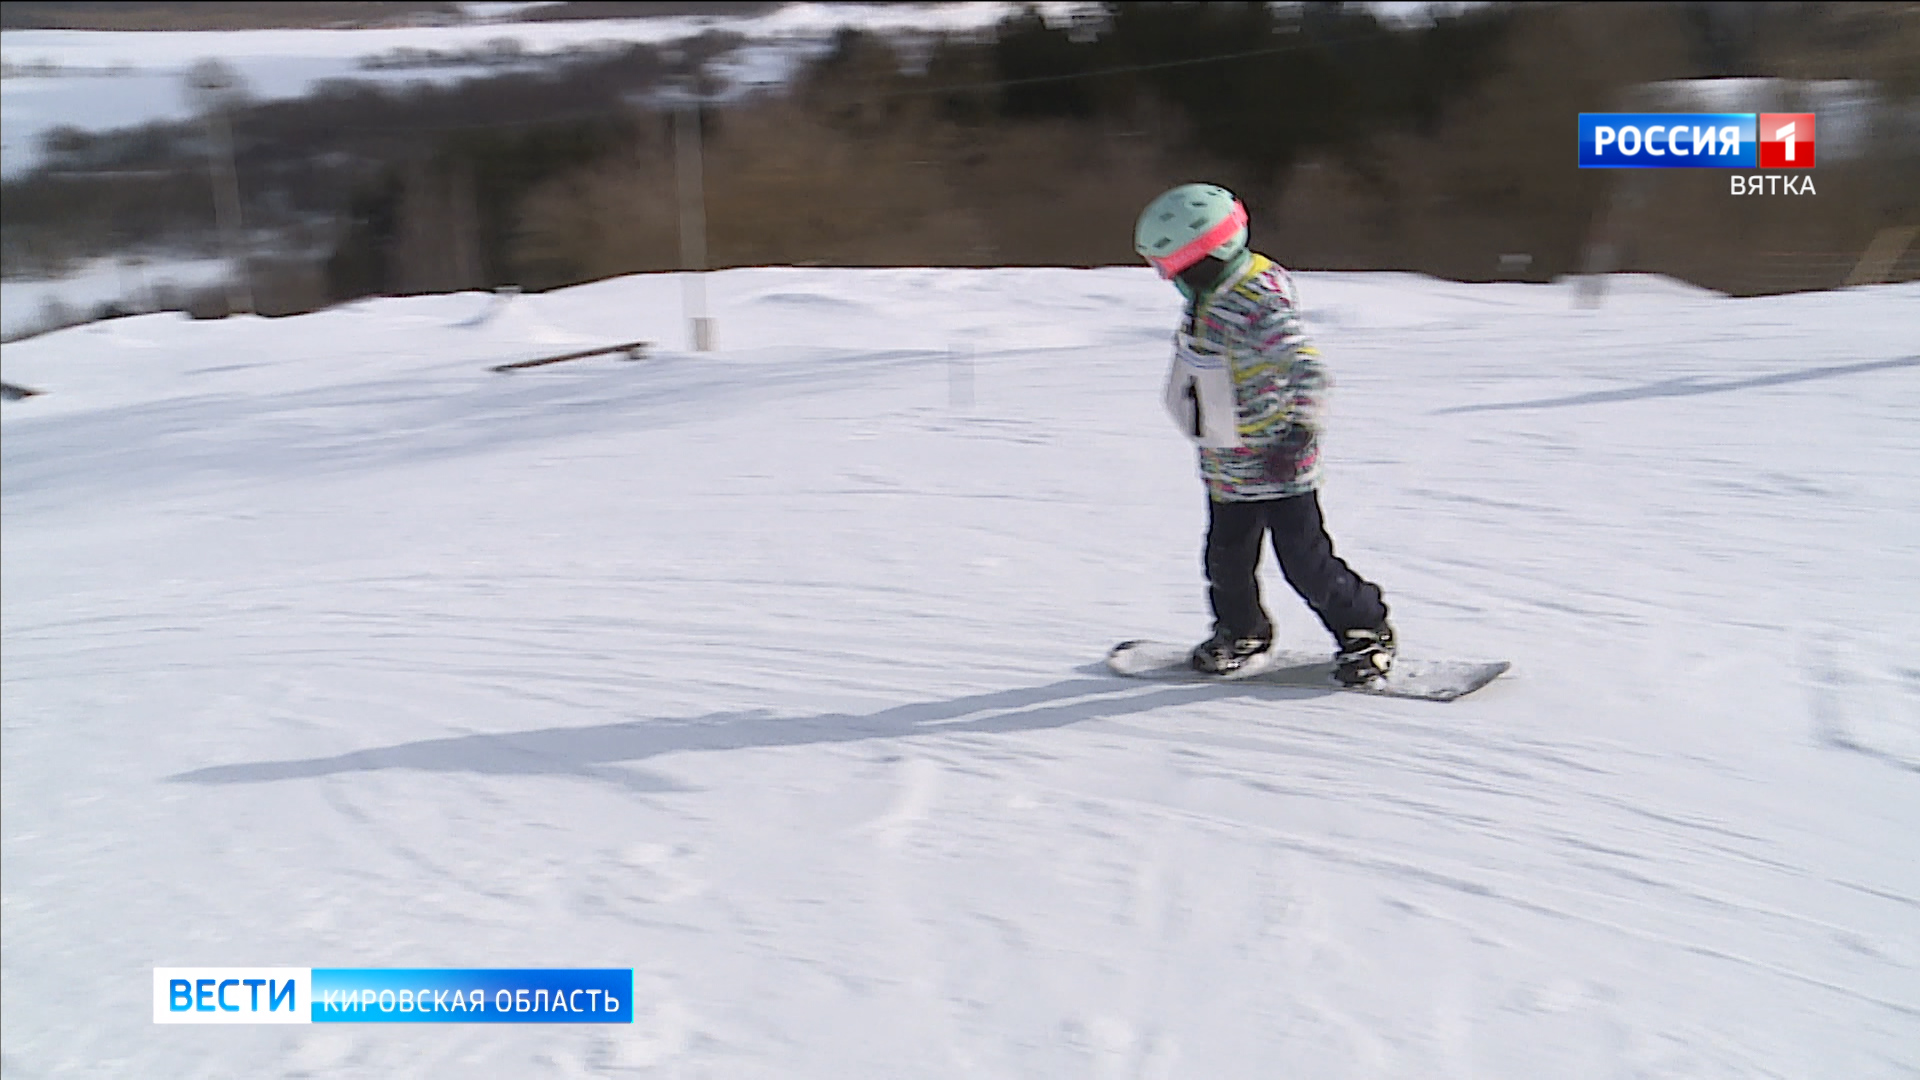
<point>693,224</point>
<point>226,206</point>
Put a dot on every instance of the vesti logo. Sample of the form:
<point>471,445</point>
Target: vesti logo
<point>205,995</point>
<point>184,995</point>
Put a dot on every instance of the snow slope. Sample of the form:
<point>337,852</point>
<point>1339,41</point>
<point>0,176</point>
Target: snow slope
<point>773,674</point>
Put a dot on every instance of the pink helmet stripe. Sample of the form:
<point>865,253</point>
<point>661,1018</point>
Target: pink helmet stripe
<point>1196,249</point>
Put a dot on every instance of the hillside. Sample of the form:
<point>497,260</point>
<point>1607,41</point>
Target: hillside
<point>772,673</point>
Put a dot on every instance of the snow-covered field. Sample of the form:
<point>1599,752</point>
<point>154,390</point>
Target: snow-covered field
<point>134,283</point>
<point>123,78</point>
<point>773,673</point>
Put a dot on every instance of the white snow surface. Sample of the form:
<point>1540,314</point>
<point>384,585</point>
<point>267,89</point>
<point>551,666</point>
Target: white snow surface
<point>774,674</point>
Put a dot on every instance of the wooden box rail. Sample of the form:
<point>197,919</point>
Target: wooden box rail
<point>634,350</point>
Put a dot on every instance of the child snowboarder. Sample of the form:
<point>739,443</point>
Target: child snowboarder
<point>1248,389</point>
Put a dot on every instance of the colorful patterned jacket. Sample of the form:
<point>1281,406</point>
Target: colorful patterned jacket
<point>1248,388</point>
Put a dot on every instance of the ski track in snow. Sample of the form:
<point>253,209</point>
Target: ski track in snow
<point>774,674</point>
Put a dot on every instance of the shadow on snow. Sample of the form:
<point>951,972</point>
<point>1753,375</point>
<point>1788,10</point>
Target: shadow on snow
<point>1687,387</point>
<point>593,752</point>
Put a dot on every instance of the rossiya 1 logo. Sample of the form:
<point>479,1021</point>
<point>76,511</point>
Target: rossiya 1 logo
<point>1706,141</point>
<point>1786,140</point>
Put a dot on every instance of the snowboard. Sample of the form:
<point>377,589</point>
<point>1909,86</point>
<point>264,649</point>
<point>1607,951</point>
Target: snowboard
<point>1426,680</point>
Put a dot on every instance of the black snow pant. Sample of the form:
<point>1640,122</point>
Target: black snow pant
<point>1235,530</point>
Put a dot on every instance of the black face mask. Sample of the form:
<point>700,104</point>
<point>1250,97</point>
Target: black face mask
<point>1195,280</point>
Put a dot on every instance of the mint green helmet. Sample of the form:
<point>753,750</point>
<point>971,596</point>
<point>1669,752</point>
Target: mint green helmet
<point>1187,224</point>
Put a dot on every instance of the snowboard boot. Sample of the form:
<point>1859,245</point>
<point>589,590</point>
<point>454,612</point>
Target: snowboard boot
<point>1366,655</point>
<point>1225,653</point>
